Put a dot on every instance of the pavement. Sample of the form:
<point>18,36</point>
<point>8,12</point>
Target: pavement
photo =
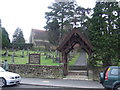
<point>93,85</point>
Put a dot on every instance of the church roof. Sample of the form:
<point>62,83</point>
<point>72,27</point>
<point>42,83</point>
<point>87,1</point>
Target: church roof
<point>40,34</point>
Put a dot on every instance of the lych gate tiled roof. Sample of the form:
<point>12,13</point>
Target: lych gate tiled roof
<point>74,37</point>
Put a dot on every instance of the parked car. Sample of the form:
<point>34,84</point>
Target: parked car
<point>9,78</point>
<point>110,78</point>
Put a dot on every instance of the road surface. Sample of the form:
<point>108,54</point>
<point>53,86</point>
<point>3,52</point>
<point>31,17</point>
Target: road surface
<point>34,87</point>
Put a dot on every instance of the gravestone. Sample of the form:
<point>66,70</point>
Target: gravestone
<point>34,59</point>
<point>27,51</point>
<point>12,58</point>
<point>22,53</point>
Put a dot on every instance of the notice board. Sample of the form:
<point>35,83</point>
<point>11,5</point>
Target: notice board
<point>34,59</point>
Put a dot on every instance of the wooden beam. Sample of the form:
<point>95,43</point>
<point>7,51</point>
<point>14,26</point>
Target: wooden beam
<point>65,63</point>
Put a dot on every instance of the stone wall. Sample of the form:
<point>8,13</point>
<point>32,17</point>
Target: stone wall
<point>96,71</point>
<point>37,70</point>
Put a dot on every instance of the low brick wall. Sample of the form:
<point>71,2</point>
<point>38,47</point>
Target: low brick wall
<point>37,70</point>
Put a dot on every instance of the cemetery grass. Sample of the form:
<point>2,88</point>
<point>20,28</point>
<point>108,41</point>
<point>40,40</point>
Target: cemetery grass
<point>73,61</point>
<point>24,60</point>
<point>18,59</point>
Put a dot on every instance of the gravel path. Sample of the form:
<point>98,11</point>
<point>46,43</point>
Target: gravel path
<point>82,61</point>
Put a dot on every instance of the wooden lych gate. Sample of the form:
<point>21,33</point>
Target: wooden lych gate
<point>73,38</point>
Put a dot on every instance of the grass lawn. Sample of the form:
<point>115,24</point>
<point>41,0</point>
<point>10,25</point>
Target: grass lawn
<point>23,60</point>
<point>72,62</point>
<point>43,61</point>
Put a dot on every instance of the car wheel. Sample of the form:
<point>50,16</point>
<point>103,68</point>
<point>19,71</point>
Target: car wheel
<point>117,87</point>
<point>3,82</point>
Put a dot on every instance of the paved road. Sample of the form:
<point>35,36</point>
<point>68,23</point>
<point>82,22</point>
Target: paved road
<point>82,61</point>
<point>28,87</point>
<point>33,87</point>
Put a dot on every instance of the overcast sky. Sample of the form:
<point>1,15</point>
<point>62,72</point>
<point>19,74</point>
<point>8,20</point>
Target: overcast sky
<point>28,14</point>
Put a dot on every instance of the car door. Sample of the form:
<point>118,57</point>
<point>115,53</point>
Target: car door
<point>113,75</point>
<point>119,74</point>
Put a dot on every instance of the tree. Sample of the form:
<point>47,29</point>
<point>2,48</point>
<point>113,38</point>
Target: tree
<point>82,16</point>
<point>66,14</point>
<point>0,37</point>
<point>4,37</point>
<point>63,12</point>
<point>53,32</point>
<point>104,32</point>
<point>18,36</point>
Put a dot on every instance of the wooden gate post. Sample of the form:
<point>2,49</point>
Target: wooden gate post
<point>65,63</point>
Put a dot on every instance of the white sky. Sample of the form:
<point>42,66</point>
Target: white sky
<point>28,14</point>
